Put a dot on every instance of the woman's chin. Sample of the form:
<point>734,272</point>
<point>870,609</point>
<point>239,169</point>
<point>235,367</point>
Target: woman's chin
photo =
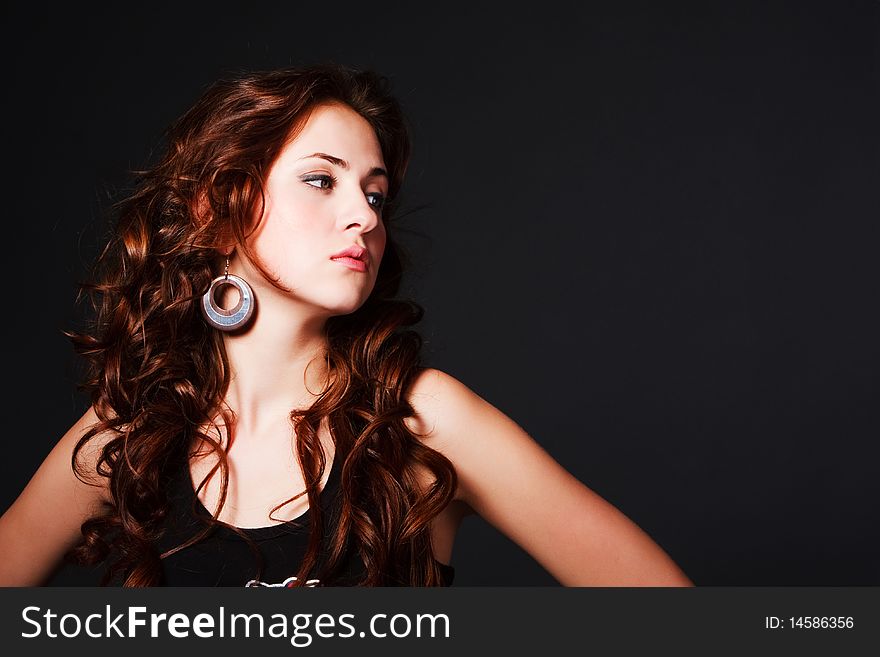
<point>346,307</point>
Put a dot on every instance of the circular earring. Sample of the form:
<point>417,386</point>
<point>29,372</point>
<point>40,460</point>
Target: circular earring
<point>236,317</point>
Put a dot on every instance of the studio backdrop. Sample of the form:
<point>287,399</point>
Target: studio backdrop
<point>645,231</point>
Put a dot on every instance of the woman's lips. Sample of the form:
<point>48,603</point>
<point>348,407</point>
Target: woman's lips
<point>351,263</point>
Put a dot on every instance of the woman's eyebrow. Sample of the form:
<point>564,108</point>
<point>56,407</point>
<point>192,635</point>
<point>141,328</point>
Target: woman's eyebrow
<point>338,161</point>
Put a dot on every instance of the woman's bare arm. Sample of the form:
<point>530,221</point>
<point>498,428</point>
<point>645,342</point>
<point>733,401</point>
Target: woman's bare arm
<point>509,480</point>
<point>44,522</point>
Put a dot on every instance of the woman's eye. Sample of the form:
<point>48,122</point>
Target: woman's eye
<point>375,199</point>
<point>319,182</point>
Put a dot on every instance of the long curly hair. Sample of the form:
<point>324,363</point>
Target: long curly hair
<point>157,373</point>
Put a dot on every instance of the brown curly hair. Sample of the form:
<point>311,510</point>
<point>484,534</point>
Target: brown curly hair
<point>157,374</point>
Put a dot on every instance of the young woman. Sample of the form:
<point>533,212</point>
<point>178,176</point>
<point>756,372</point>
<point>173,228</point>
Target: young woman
<point>259,412</point>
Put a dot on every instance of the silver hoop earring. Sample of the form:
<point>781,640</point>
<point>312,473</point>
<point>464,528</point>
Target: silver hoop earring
<point>236,317</point>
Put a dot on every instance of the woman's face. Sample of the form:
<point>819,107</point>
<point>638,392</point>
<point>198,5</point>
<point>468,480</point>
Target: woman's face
<point>324,194</point>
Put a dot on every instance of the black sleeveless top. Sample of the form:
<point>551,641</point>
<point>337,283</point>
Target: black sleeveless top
<point>223,558</point>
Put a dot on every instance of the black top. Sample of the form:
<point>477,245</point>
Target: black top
<point>223,558</point>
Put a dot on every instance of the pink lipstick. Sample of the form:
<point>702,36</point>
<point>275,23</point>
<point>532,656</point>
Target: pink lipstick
<point>351,263</point>
<point>354,257</point>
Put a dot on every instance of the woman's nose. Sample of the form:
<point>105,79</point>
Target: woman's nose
<point>359,212</point>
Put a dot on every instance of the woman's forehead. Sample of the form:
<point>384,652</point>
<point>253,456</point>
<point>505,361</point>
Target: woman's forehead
<point>339,131</point>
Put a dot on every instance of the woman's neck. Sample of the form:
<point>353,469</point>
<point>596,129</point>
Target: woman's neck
<point>276,365</point>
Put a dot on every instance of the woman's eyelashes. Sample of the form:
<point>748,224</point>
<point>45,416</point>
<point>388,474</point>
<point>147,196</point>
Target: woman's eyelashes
<point>377,200</point>
<point>327,182</point>
<point>324,181</point>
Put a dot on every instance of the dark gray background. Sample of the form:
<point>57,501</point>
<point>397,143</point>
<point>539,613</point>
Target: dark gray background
<point>645,231</point>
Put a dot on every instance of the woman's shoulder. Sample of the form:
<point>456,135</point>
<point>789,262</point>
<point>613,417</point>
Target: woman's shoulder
<point>88,456</point>
<point>450,417</point>
<point>45,520</point>
<point>487,448</point>
<point>433,394</point>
